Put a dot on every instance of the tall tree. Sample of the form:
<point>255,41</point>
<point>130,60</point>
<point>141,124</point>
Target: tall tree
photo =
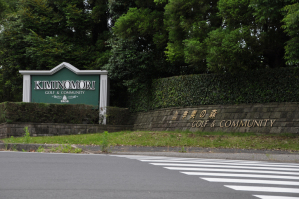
<point>251,36</point>
<point>3,7</point>
<point>226,35</point>
<point>138,43</point>
<point>43,33</point>
<point>188,24</point>
<point>268,17</point>
<point>291,21</point>
<point>7,6</point>
<point>233,46</point>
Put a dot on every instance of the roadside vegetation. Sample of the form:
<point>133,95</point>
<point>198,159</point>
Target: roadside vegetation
<point>288,142</point>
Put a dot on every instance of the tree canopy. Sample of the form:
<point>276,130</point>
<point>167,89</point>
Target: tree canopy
<point>41,34</point>
<point>291,26</point>
<point>139,40</point>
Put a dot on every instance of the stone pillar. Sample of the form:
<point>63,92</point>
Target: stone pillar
<point>103,97</point>
<point>26,88</point>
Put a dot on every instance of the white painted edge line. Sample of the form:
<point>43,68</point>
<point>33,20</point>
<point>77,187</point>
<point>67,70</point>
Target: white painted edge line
<point>240,175</point>
<point>173,158</point>
<point>224,166</point>
<point>197,159</point>
<point>275,197</point>
<point>200,160</point>
<point>263,189</point>
<point>253,181</point>
<point>226,163</point>
<point>231,170</point>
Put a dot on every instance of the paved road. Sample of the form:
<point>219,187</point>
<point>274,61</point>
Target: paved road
<point>265,180</point>
<point>37,175</point>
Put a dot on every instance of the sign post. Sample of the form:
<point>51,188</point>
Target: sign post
<point>65,84</point>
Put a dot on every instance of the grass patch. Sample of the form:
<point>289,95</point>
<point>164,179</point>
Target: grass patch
<point>65,149</point>
<point>40,149</point>
<point>285,141</point>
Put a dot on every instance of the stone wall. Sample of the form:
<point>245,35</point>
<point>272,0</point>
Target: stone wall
<point>48,129</point>
<point>3,131</point>
<point>261,118</point>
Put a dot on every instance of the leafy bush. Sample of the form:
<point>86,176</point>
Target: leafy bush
<point>260,86</point>
<point>47,113</point>
<point>26,135</point>
<point>105,142</point>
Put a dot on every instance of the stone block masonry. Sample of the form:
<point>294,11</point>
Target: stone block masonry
<point>260,118</point>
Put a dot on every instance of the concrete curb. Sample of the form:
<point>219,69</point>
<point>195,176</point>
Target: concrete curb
<point>291,158</point>
<point>189,152</point>
<point>27,147</point>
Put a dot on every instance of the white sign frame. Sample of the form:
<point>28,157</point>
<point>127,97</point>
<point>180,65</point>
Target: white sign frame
<point>104,88</point>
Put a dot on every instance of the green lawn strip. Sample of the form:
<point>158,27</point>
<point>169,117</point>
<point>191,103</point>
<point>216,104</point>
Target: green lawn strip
<point>289,142</point>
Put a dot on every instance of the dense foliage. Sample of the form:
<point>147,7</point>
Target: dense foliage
<point>142,40</point>
<point>260,86</point>
<point>40,34</point>
<point>47,113</point>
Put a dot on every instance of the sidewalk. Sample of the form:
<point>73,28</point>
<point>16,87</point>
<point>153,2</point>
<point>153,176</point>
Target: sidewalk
<point>188,152</point>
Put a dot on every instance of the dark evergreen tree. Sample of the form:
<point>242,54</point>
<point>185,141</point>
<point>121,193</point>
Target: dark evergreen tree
<point>41,34</point>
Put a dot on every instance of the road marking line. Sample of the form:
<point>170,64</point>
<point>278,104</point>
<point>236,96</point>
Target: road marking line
<point>254,181</point>
<point>275,197</point>
<point>240,175</point>
<point>224,163</point>
<point>263,189</point>
<point>222,166</point>
<point>203,159</point>
<point>138,157</point>
<point>230,170</point>
<point>278,171</point>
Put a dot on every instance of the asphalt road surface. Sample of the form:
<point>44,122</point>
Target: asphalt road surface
<point>45,176</point>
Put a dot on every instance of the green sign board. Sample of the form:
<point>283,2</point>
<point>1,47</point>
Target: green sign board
<point>66,84</point>
<point>65,87</point>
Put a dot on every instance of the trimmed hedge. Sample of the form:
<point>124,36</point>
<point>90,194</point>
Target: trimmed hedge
<point>47,113</point>
<point>261,86</point>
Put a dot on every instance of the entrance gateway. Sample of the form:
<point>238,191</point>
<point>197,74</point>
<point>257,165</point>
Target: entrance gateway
<point>65,84</point>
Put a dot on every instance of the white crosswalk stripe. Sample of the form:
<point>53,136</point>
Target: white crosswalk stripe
<point>264,189</point>
<point>249,181</point>
<point>256,177</point>
<point>275,197</point>
<point>231,170</point>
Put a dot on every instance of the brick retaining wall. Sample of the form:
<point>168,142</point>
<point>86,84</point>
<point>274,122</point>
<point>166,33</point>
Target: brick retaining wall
<point>262,118</point>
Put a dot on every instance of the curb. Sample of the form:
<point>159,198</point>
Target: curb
<point>27,147</point>
<point>189,152</point>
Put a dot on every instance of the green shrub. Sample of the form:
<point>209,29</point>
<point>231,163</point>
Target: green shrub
<point>26,135</point>
<point>47,113</point>
<point>260,86</point>
<point>105,142</point>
